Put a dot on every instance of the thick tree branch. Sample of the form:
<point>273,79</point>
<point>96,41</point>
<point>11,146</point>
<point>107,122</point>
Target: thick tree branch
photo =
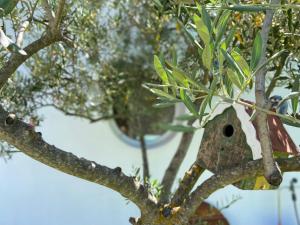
<point>23,137</point>
<point>221,180</point>
<point>272,172</point>
<point>16,60</point>
<point>172,170</point>
<point>227,177</point>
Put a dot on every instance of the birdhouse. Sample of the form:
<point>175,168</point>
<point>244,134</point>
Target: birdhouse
<point>230,138</point>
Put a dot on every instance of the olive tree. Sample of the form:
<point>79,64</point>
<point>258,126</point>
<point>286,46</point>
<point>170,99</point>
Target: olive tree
<point>88,58</point>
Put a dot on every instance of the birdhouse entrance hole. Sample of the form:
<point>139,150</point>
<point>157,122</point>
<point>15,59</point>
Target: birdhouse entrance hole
<point>228,130</point>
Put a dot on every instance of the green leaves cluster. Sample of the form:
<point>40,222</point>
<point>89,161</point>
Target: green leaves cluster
<point>112,57</point>
<point>6,6</point>
<point>196,95</point>
<point>228,68</point>
<point>103,73</point>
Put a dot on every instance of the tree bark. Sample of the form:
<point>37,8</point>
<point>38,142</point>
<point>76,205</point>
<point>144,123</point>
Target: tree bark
<point>16,60</point>
<point>23,137</point>
<point>272,172</point>
<point>172,170</point>
<point>224,178</point>
<point>186,185</point>
<point>146,173</point>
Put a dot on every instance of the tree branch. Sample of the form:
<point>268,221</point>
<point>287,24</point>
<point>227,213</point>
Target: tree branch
<point>172,170</point>
<point>224,178</point>
<point>47,39</point>
<point>272,172</point>
<point>23,137</point>
<point>186,185</point>
<point>146,173</point>
<point>49,14</point>
<point>277,73</point>
<point>59,13</point>
<point>15,60</point>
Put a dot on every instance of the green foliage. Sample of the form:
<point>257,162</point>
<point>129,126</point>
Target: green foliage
<point>188,102</point>
<point>241,64</point>
<point>7,6</point>
<point>222,25</point>
<point>161,71</point>
<point>256,52</point>
<point>234,65</point>
<point>233,77</point>
<point>202,53</point>
<point>202,30</point>
<point>180,77</point>
<point>162,94</point>
<point>178,128</point>
<point>225,59</point>
<point>155,188</point>
<point>108,64</point>
<point>186,117</point>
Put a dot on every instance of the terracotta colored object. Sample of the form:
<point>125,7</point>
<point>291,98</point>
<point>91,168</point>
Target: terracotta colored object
<point>208,215</point>
<point>281,140</point>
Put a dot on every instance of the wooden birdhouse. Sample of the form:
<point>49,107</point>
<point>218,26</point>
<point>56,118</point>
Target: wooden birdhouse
<point>230,138</point>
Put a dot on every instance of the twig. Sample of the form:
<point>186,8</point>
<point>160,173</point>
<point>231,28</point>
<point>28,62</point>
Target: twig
<point>146,173</point>
<point>49,14</point>
<point>172,170</point>
<point>227,99</point>
<point>59,13</point>
<point>277,73</point>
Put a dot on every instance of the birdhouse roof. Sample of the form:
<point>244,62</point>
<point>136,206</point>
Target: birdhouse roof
<point>280,139</point>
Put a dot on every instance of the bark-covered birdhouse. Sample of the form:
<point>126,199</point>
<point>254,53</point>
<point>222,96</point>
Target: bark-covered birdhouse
<point>230,138</point>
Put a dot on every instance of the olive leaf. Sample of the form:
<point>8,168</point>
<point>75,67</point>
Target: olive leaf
<point>256,51</point>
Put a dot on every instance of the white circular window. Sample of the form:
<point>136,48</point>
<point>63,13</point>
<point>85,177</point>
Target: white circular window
<point>154,134</point>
